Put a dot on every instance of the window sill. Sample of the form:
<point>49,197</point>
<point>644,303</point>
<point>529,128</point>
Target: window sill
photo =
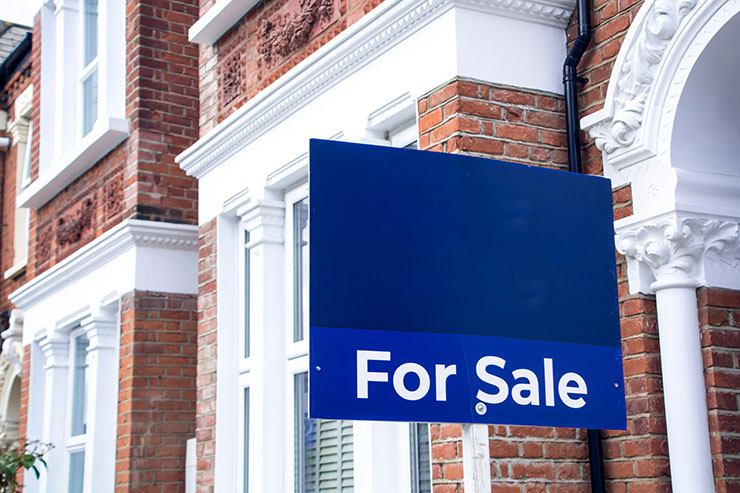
<point>218,19</point>
<point>16,270</point>
<point>104,137</point>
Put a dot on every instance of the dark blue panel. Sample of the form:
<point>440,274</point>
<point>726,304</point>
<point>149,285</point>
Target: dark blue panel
<point>333,379</point>
<point>423,241</point>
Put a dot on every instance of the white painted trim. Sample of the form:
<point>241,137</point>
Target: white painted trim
<point>218,19</point>
<point>374,34</point>
<point>129,235</point>
<point>102,139</point>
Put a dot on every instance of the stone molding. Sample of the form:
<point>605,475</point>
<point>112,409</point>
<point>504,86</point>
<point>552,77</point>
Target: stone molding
<point>675,248</point>
<point>125,236</point>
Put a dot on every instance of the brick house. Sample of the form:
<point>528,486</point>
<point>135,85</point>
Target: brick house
<point>99,250</point>
<point>481,78</point>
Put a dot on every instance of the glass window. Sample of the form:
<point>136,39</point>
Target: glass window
<point>79,386</point>
<point>76,471</point>
<point>246,440</point>
<point>89,101</point>
<point>300,269</point>
<point>421,467</point>
<point>324,449</point>
<point>90,69</point>
<point>246,295</point>
<point>90,31</point>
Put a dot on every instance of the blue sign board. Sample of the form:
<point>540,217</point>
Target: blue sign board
<point>448,288</point>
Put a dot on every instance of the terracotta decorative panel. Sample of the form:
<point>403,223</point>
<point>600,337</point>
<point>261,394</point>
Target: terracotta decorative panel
<point>76,223</point>
<point>294,24</point>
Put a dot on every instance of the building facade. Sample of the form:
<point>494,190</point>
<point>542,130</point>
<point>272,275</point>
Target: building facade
<point>100,244</point>
<point>481,78</point>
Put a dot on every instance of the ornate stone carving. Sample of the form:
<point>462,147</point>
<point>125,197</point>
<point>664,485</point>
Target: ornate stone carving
<point>113,195</point>
<point>287,32</point>
<point>674,248</point>
<point>76,223</point>
<point>43,244</point>
<point>637,73</point>
<point>12,344</point>
<point>231,77</point>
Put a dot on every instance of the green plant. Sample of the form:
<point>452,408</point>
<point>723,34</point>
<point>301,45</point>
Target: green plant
<point>18,456</point>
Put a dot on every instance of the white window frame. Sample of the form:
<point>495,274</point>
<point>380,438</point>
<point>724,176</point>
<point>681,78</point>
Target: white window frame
<point>23,134</point>
<point>244,361</point>
<point>65,153</point>
<point>293,349</point>
<point>75,443</point>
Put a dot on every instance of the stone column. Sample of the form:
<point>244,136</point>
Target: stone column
<point>265,221</point>
<point>56,355</point>
<point>102,402</point>
<point>674,248</point>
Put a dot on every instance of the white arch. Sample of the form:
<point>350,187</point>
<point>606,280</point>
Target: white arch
<point>635,130</point>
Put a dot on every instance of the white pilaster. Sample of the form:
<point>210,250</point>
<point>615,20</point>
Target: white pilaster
<point>56,354</point>
<point>674,249</point>
<point>68,65</point>
<point>264,221</point>
<point>102,403</point>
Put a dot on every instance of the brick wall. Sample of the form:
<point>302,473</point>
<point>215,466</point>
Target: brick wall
<point>476,118</point>
<point>263,46</point>
<point>156,400</point>
<point>719,319</point>
<point>207,351</point>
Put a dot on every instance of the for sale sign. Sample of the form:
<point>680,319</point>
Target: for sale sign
<point>450,288</point>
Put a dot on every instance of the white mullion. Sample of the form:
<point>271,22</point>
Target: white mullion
<point>88,69</point>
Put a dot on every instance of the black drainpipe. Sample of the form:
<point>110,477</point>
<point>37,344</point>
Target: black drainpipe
<point>573,129</point>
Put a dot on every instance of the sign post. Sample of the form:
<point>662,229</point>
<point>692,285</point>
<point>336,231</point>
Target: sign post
<point>448,288</point>
<point>476,458</point>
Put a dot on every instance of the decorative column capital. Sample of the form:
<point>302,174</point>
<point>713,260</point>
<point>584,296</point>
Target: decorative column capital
<point>675,247</point>
<point>13,337</point>
<point>18,130</point>
<point>56,352</point>
<point>101,331</point>
<point>264,221</point>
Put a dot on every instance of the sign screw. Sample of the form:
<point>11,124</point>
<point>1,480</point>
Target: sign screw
<point>481,408</point>
<point>318,368</point>
<point>616,385</point>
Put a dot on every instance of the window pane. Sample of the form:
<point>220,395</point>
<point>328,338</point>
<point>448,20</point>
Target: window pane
<point>246,295</point>
<point>89,102</point>
<point>246,440</point>
<point>76,471</point>
<point>324,449</point>
<point>300,269</point>
<point>421,473</point>
<point>26,176</point>
<point>91,31</point>
<point>79,390</point>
